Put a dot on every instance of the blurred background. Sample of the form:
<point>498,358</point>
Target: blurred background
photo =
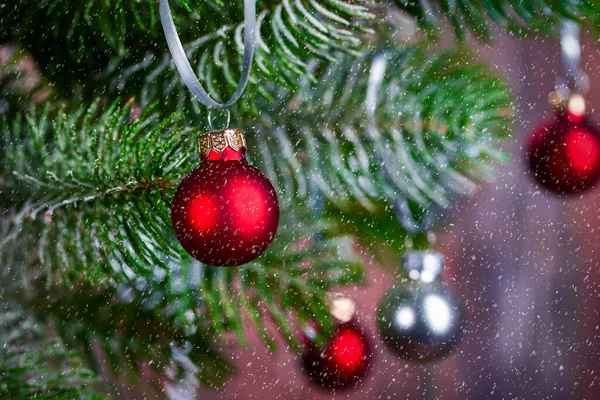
<point>99,297</point>
<point>525,262</point>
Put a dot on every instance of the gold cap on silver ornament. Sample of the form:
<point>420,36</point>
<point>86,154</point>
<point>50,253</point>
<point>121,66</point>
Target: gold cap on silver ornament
<point>222,145</point>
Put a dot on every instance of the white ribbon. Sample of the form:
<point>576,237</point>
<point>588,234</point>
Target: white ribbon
<point>570,47</point>
<point>185,69</point>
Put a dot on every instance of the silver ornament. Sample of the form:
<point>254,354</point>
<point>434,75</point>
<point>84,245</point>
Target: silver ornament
<point>420,319</point>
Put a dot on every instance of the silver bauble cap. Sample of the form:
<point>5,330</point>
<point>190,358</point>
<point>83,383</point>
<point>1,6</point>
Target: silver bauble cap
<point>424,266</point>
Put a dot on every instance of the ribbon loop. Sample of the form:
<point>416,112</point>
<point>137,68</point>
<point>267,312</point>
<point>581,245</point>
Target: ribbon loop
<point>576,80</point>
<point>185,69</point>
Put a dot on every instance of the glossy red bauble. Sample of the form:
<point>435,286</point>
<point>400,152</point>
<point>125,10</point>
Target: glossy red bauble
<point>564,154</point>
<point>225,212</point>
<point>342,362</point>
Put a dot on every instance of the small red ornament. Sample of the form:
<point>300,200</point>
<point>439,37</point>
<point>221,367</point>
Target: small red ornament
<point>225,212</point>
<point>343,361</point>
<point>564,153</point>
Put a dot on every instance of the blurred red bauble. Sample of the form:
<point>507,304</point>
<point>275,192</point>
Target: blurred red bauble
<point>343,361</point>
<point>564,153</point>
<point>225,212</point>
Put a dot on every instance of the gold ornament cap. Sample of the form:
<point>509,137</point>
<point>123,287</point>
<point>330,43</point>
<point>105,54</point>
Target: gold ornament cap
<point>574,103</point>
<point>222,145</point>
<point>341,307</point>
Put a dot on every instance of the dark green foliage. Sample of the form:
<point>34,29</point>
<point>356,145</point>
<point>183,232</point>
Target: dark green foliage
<point>516,16</point>
<point>118,47</point>
<point>90,33</point>
<point>87,191</point>
<point>147,325</point>
<point>33,366</point>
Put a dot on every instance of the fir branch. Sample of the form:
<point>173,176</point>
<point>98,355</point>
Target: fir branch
<point>87,191</point>
<point>519,17</point>
<point>288,285</point>
<point>87,198</point>
<point>438,124</point>
<point>37,367</point>
<point>131,330</point>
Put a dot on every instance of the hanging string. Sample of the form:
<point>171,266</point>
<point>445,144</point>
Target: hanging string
<point>185,69</point>
<point>434,211</point>
<point>570,47</point>
<point>576,79</point>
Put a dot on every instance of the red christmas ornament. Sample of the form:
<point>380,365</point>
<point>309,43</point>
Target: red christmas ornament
<point>343,361</point>
<point>225,212</point>
<point>564,153</point>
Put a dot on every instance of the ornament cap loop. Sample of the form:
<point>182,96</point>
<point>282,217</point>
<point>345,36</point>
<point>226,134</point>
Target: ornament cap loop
<point>222,145</point>
<point>210,119</point>
<point>424,266</point>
